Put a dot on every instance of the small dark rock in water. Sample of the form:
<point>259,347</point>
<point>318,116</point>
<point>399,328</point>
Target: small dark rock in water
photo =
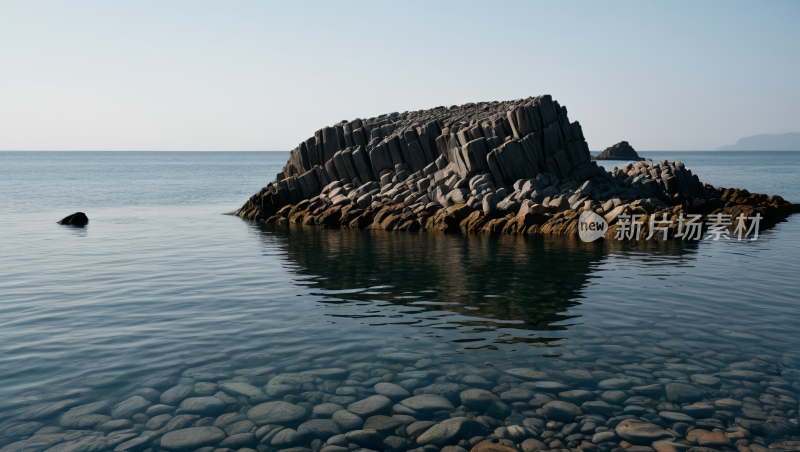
<point>620,151</point>
<point>76,219</point>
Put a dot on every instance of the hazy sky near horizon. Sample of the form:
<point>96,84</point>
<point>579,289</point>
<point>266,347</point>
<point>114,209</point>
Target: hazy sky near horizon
<point>257,75</point>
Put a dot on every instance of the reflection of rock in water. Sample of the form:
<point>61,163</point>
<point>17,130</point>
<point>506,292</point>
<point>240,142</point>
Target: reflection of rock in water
<point>522,282</point>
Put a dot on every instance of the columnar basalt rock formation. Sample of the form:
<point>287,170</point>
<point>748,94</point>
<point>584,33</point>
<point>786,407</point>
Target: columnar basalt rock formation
<point>620,151</point>
<point>499,167</point>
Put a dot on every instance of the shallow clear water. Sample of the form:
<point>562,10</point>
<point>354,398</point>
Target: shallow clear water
<point>159,277</point>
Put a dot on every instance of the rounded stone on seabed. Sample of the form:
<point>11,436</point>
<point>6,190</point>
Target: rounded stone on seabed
<point>680,393</point>
<point>236,389</point>
<point>392,391</point>
<point>205,388</point>
<point>528,374</point>
<point>477,399</point>
<point>672,416</point>
<point>127,408</point>
<point>372,405</point>
<point>132,445</point>
<point>385,425</point>
<point>706,380</point>
<point>286,438</point>
<point>328,374</point>
<point>366,438</point>
<point>614,397</point>
<point>699,409</point>
<point>640,432</point>
<point>599,407</point>
<point>239,441</point>
<point>325,410</point>
<point>115,424</point>
<point>670,446</point>
<point>347,420</point>
<point>576,395</point>
<point>615,384</point>
<point>319,428</point>
<point>201,405</point>
<point>192,438</point>
<point>158,422</point>
<point>476,381</point>
<point>547,386</point>
<point>243,426</point>
<point>533,445</point>
<point>417,428</point>
<point>278,412</point>
<point>604,437</point>
<point>428,403</point>
<point>226,420</point>
<point>728,404</point>
<point>713,439</point>
<point>450,431</point>
<point>517,395</point>
<point>562,411</point>
<point>175,395</point>
<point>159,409</point>
<point>423,363</point>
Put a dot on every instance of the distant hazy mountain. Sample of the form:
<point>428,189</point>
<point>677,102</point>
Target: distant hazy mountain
<point>777,142</point>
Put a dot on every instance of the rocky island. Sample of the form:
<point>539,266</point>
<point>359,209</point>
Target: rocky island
<point>498,167</point>
<point>620,151</point>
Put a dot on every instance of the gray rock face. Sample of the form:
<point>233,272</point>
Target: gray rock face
<point>451,431</point>
<point>561,411</point>
<point>276,413</point>
<point>372,405</point>
<point>192,438</point>
<point>640,432</point>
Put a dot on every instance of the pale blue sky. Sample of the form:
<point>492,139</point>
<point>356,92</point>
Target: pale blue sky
<point>256,75</point>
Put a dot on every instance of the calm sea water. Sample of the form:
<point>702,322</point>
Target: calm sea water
<point>159,277</point>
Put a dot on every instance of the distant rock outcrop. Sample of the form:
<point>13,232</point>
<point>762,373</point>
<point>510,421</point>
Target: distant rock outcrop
<point>518,167</point>
<point>764,142</point>
<point>76,219</point>
<point>620,151</point>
